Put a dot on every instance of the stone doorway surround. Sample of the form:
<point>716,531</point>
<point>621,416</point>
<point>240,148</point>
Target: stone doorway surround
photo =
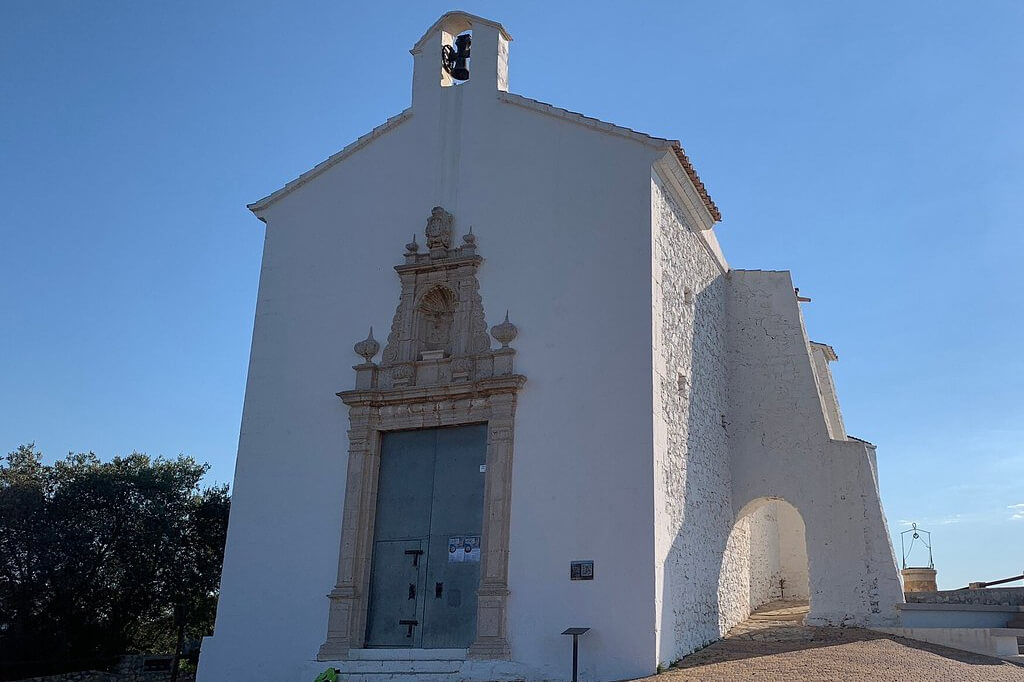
<point>437,369</point>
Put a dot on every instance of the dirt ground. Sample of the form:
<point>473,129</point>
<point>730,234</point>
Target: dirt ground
<point>775,645</point>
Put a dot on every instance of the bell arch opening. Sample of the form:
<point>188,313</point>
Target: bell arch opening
<point>765,561</point>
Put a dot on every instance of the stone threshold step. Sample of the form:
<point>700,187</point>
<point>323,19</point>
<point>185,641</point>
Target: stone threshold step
<point>407,654</point>
<point>397,667</point>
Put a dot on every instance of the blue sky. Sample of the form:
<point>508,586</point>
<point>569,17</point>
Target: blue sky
<point>876,149</point>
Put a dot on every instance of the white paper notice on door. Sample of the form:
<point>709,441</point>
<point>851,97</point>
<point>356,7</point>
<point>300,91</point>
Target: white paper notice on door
<point>456,554</point>
<point>471,548</point>
<point>464,549</point>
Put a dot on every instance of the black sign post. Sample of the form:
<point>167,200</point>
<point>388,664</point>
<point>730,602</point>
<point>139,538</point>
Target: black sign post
<point>575,632</point>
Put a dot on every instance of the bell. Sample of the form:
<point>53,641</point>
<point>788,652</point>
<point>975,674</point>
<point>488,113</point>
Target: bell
<point>457,65</point>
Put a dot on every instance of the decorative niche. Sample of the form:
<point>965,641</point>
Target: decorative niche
<point>435,315</point>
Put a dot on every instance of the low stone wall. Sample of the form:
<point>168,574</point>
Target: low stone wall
<point>99,676</point>
<point>998,642</point>
<point>995,596</point>
<point>81,676</point>
<point>131,668</point>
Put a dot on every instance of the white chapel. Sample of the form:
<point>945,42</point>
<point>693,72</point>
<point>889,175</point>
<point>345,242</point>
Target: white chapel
<point>570,412</point>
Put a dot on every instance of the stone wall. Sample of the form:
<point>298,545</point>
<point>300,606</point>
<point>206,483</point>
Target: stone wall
<point>80,676</point>
<point>99,676</point>
<point>996,596</point>
<point>130,668</point>
<point>693,514</point>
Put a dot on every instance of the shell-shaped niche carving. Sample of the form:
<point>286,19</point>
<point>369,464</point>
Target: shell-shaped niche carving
<point>435,316</point>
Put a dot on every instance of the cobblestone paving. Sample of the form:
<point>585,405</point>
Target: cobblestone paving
<point>774,645</point>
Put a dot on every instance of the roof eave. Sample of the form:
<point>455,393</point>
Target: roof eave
<point>258,206</point>
<point>698,184</point>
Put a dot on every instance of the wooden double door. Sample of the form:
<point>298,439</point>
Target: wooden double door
<point>427,538</point>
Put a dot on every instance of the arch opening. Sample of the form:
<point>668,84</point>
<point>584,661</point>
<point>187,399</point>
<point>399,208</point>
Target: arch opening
<point>765,561</point>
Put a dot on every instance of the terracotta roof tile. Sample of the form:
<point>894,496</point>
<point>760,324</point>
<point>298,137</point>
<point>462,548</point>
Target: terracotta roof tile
<point>695,179</point>
<point>684,160</point>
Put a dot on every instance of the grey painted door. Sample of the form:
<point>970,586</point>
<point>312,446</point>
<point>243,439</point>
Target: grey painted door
<point>426,553</point>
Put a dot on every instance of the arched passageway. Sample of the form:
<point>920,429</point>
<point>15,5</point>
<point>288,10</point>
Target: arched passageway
<point>765,560</point>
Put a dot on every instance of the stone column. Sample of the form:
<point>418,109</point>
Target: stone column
<point>492,596</point>
<point>346,621</point>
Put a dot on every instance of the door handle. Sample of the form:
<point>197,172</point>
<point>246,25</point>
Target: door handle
<point>412,590</point>
<point>415,555</point>
<point>411,624</point>
<point>438,590</point>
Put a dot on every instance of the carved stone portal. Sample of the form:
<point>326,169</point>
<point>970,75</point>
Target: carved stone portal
<point>437,369</point>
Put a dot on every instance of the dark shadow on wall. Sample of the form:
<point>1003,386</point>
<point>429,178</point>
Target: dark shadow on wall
<point>690,611</point>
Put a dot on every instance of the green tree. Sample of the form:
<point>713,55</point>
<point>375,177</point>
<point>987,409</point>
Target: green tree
<point>94,555</point>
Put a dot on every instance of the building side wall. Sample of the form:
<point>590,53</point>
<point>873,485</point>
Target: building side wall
<point>693,512</point>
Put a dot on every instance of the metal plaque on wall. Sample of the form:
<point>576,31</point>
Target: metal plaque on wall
<point>581,570</point>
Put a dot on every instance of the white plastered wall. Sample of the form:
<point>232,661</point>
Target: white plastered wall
<point>561,213</point>
<point>821,356</point>
<point>781,448</point>
<point>762,551</point>
<point>792,552</point>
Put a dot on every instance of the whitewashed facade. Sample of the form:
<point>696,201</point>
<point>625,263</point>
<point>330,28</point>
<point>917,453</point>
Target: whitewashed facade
<point>659,413</point>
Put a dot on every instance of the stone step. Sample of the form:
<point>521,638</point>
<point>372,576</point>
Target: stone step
<point>397,667</point>
<point>400,677</point>
<point>381,665</point>
<point>402,654</point>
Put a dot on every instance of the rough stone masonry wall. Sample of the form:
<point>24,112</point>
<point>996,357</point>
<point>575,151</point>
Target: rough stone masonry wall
<point>693,508</point>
